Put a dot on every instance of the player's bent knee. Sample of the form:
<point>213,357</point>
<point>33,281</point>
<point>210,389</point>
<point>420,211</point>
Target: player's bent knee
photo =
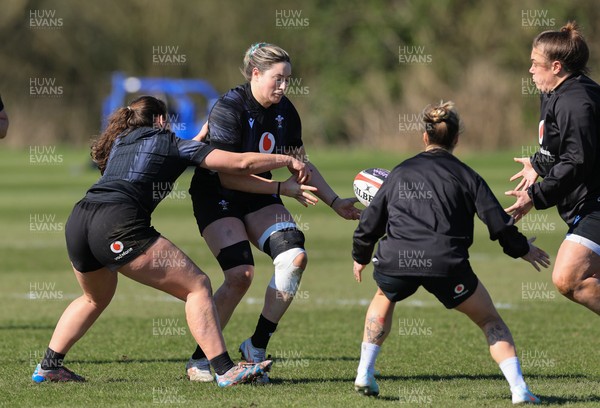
<point>286,247</point>
<point>564,287</point>
<point>282,240</point>
<point>201,283</point>
<point>288,271</point>
<point>563,284</point>
<point>99,302</point>
<point>301,260</point>
<point>239,277</point>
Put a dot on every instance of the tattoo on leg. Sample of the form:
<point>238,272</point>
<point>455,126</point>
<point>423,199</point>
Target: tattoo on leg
<point>496,332</point>
<point>374,329</point>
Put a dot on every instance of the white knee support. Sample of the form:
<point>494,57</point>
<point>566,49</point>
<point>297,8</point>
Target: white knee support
<point>287,275</point>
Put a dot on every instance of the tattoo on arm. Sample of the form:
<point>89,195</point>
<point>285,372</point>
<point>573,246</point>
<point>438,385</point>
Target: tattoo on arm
<point>374,329</point>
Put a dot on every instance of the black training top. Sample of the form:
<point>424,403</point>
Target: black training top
<point>424,211</point>
<point>569,155</point>
<point>143,165</point>
<point>238,123</point>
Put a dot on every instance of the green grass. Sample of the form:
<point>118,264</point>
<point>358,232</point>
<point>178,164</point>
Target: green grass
<point>444,363</point>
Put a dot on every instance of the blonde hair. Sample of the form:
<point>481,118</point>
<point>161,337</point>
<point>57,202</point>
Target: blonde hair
<point>442,123</point>
<point>262,56</point>
<point>567,46</point>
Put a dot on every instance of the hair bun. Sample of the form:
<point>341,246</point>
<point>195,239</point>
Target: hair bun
<point>439,114</point>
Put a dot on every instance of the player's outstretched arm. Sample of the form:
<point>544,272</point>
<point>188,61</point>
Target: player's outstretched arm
<point>536,256</point>
<point>344,207</point>
<point>259,185</point>
<point>253,163</point>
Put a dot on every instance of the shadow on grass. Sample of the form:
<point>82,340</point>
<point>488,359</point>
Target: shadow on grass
<point>545,399</point>
<point>126,360</point>
<point>436,377</point>
<point>27,326</point>
<point>426,377</point>
<point>568,401</point>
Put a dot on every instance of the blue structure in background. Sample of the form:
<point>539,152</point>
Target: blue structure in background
<point>184,118</point>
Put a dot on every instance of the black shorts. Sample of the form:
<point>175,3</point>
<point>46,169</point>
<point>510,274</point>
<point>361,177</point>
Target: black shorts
<point>214,203</point>
<point>107,235</point>
<point>588,227</point>
<point>451,291</point>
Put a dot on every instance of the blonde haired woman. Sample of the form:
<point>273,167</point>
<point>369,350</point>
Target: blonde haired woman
<point>255,117</point>
<point>424,241</point>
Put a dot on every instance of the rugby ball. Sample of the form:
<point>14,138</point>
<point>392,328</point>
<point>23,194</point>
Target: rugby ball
<point>367,183</point>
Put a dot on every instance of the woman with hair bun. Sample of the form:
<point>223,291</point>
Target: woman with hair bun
<point>110,231</point>
<point>568,160</point>
<point>422,217</point>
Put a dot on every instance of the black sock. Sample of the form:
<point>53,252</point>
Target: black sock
<point>263,332</point>
<point>221,363</point>
<point>52,360</point>
<point>198,354</point>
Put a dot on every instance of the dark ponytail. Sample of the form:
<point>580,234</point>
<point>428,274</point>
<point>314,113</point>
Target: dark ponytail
<point>141,112</point>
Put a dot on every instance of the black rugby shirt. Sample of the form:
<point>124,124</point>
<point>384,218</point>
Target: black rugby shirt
<point>569,155</point>
<point>238,123</point>
<point>424,211</point>
<point>143,165</point>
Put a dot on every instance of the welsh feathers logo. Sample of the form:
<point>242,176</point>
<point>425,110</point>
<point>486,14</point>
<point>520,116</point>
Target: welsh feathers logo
<point>267,143</point>
<point>116,247</point>
<point>279,120</point>
<point>541,131</point>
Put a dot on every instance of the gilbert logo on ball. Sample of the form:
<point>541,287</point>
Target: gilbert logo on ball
<point>367,183</point>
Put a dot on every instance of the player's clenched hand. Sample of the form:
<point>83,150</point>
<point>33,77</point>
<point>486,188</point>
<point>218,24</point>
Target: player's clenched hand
<point>346,209</point>
<point>201,136</point>
<point>536,256</point>
<point>528,174</point>
<point>358,268</point>
<point>300,192</point>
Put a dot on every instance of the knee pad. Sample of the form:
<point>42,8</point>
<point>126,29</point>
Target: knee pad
<point>235,255</point>
<point>265,238</point>
<point>282,240</point>
<point>286,277</point>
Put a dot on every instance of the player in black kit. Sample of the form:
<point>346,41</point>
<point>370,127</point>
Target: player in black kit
<point>424,211</point>
<point>568,160</point>
<point>255,117</point>
<point>110,230</point>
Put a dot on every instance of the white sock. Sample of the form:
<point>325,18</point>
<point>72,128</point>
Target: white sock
<point>512,372</point>
<point>368,355</point>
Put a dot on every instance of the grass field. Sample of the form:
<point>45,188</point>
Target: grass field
<point>135,354</point>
